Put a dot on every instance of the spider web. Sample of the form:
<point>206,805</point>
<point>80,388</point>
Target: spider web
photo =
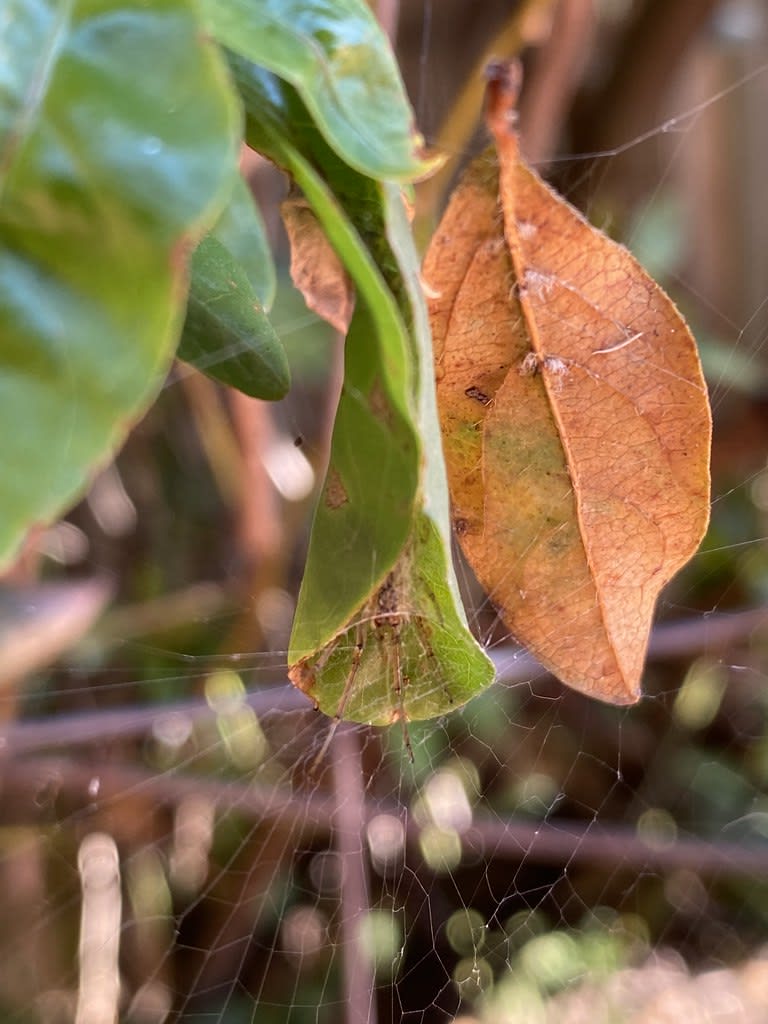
<point>170,844</point>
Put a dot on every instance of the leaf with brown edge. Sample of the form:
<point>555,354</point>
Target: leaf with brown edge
<point>574,414</point>
<point>316,270</point>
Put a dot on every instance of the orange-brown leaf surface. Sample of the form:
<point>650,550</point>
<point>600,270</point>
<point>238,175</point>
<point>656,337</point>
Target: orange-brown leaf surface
<point>574,415</point>
<point>316,270</point>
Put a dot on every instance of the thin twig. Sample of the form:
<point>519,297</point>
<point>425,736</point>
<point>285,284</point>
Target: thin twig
<point>214,431</point>
<point>707,634</point>
<point>388,16</point>
<point>349,835</point>
<point>259,526</point>
<point>40,783</point>
<point>573,843</point>
<point>527,25</point>
<point>556,70</point>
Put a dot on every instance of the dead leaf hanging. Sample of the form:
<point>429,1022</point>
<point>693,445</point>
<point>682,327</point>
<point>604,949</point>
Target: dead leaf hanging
<point>316,270</point>
<point>574,415</point>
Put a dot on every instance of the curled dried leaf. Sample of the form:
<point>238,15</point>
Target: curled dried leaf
<point>574,413</point>
<point>316,270</point>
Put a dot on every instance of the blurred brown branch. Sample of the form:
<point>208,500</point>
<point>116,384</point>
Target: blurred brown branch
<point>32,786</point>
<point>708,634</point>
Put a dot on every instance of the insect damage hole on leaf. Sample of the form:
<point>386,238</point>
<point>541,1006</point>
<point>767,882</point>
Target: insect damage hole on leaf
<point>582,484</point>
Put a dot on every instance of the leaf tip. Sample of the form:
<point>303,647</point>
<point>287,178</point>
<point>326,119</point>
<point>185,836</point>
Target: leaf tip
<point>302,675</point>
<point>429,160</point>
<point>624,697</point>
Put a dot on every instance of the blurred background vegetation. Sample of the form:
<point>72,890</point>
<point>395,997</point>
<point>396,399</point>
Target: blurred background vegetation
<point>543,856</point>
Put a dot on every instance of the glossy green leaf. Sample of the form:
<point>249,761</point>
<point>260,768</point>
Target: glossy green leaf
<point>118,145</point>
<point>365,512</point>
<point>240,228</point>
<point>378,362</point>
<point>407,654</point>
<point>227,334</point>
<point>337,57</point>
<point>379,633</point>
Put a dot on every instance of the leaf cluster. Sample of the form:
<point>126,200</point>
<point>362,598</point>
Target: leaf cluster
<point>128,237</point>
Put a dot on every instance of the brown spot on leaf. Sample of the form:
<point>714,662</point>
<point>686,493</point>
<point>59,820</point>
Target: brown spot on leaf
<point>379,403</point>
<point>477,394</point>
<point>335,493</point>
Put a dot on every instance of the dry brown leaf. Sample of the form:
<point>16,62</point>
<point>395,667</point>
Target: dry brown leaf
<point>574,415</point>
<point>316,270</point>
